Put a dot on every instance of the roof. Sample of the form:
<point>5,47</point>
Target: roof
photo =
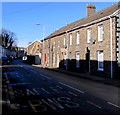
<point>98,15</point>
<point>33,42</point>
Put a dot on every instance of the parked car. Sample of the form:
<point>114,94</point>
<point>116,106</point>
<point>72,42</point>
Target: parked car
<point>10,58</point>
<point>5,60</point>
<point>24,58</point>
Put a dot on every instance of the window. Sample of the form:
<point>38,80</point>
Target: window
<point>100,32</point>
<point>54,43</point>
<point>64,41</point>
<point>77,38</point>
<point>58,42</point>
<point>88,35</point>
<point>77,59</point>
<point>53,58</point>
<point>71,39</point>
<point>100,60</point>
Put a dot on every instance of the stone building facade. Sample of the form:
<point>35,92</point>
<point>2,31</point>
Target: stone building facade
<point>91,44</point>
<point>34,48</point>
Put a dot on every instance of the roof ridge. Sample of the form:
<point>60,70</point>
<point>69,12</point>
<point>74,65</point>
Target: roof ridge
<point>97,15</point>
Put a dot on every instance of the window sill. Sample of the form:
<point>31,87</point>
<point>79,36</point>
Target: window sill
<point>100,41</point>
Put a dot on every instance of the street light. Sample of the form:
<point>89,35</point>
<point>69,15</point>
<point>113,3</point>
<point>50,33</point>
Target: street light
<point>38,24</point>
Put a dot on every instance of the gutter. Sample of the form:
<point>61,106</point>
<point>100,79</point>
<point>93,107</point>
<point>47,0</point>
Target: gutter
<point>96,21</point>
<point>84,25</point>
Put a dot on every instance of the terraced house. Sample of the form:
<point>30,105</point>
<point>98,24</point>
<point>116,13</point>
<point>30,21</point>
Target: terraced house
<point>91,44</point>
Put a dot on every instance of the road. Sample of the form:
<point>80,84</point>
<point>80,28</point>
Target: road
<point>31,89</point>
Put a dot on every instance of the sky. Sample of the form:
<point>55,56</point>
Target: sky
<point>22,17</point>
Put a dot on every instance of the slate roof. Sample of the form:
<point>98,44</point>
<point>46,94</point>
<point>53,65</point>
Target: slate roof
<point>97,15</point>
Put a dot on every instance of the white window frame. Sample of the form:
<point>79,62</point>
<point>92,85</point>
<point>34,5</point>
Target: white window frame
<point>77,59</point>
<point>78,38</point>
<point>58,42</point>
<point>64,41</point>
<point>100,58</point>
<point>54,43</point>
<point>100,33</point>
<point>53,58</point>
<point>70,39</point>
<point>89,33</point>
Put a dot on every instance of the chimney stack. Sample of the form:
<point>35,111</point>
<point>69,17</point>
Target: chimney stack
<point>90,9</point>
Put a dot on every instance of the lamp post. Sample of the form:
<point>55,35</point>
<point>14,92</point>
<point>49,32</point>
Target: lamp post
<point>43,29</point>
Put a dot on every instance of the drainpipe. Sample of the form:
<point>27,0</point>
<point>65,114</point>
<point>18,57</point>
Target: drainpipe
<point>111,59</point>
<point>67,50</point>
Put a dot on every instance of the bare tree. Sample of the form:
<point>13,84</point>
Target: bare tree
<point>8,38</point>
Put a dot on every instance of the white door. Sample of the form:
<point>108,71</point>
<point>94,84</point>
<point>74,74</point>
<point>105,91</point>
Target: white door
<point>58,60</point>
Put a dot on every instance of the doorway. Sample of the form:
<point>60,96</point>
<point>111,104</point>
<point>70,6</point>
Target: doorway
<point>88,60</point>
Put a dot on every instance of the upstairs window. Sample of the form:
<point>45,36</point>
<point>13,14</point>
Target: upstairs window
<point>100,32</point>
<point>88,35</point>
<point>77,38</point>
<point>58,42</point>
<point>54,43</point>
<point>71,39</point>
<point>64,40</point>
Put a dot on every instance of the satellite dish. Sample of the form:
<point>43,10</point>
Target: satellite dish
<point>92,40</point>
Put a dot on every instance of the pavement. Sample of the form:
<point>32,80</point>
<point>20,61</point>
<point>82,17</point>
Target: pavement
<point>108,81</point>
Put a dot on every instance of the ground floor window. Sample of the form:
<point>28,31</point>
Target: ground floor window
<point>77,59</point>
<point>53,58</point>
<point>45,58</point>
<point>100,60</point>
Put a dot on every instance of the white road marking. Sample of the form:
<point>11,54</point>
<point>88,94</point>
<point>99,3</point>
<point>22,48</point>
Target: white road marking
<point>45,76</point>
<point>19,84</point>
<point>11,94</point>
<point>45,91</point>
<point>59,87</point>
<point>71,93</point>
<point>18,105</point>
<point>33,71</point>
<point>94,104</point>
<point>113,105</point>
<point>72,87</point>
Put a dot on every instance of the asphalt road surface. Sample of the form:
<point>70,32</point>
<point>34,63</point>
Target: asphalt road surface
<point>34,90</point>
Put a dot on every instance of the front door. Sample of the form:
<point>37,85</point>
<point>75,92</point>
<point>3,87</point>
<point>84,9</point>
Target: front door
<point>88,62</point>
